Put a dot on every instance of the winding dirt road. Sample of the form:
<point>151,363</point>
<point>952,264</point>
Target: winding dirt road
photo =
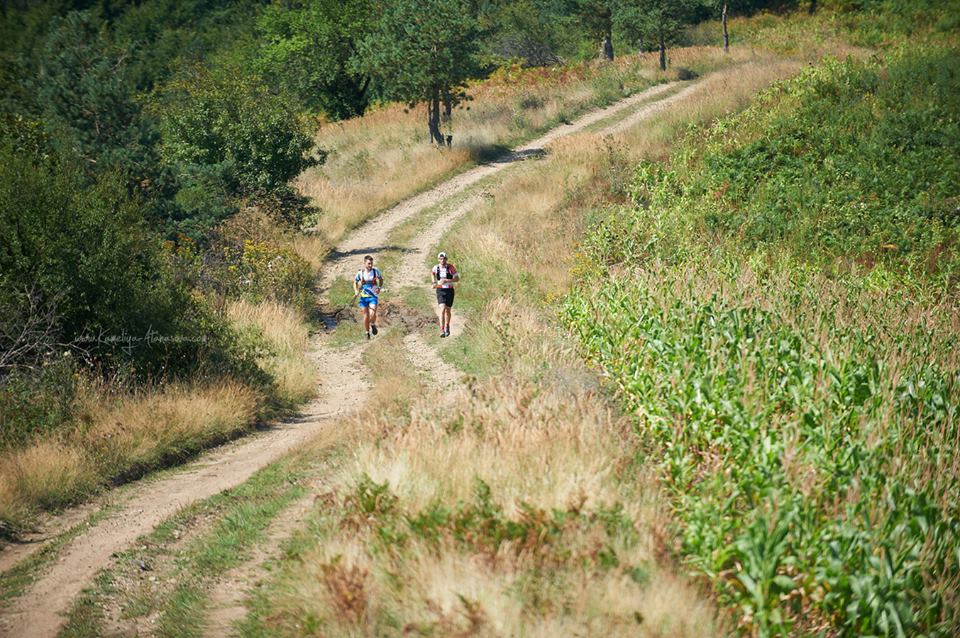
<point>39,611</point>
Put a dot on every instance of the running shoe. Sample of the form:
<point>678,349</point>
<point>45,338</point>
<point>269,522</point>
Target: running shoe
<point>373,329</point>
<point>368,335</point>
<point>443,333</point>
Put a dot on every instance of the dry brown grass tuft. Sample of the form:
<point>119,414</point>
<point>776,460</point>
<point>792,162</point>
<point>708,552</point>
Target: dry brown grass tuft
<point>287,337</point>
<point>46,474</point>
<point>142,430</point>
<point>120,437</point>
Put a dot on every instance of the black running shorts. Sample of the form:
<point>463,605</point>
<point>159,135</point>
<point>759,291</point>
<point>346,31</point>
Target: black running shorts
<point>445,297</point>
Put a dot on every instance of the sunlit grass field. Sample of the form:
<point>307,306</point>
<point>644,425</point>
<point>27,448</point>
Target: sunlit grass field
<point>439,523</point>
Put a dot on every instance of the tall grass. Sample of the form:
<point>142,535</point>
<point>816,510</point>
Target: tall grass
<point>116,438</point>
<point>436,525</point>
<point>285,335</point>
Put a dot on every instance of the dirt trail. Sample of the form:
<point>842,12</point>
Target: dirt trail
<point>227,597</point>
<point>39,611</point>
<point>372,236</point>
<point>641,114</point>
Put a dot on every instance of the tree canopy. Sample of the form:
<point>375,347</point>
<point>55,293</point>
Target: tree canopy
<point>423,50</point>
<point>309,47</point>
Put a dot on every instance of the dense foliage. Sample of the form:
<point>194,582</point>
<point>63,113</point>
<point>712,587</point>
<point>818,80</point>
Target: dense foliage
<point>310,48</point>
<point>84,253</point>
<point>775,313</point>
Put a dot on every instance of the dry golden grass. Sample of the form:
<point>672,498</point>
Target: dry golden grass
<point>45,474</point>
<point>718,94</point>
<point>142,430</point>
<point>313,249</point>
<point>121,436</point>
<point>384,156</point>
<point>541,445</point>
<point>286,334</point>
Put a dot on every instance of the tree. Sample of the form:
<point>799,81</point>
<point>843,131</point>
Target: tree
<point>659,21</point>
<point>87,101</point>
<point>537,32</point>
<point>597,17</point>
<point>423,51</point>
<point>308,49</point>
<point>226,123</point>
<point>79,255</point>
<point>726,34</point>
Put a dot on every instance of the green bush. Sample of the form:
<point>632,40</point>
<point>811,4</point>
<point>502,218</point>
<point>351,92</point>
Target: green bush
<point>227,121</point>
<point>85,252</point>
<point>36,401</point>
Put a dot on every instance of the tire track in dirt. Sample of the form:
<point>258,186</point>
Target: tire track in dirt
<point>635,118</point>
<point>226,601</point>
<point>39,612</point>
<point>372,236</point>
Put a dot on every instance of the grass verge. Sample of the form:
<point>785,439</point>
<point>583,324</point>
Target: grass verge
<point>163,582</point>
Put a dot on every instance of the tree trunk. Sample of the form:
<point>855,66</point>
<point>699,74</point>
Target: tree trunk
<point>726,35</point>
<point>813,7</point>
<point>433,117</point>
<point>663,54</point>
<point>448,116</point>
<point>606,49</point>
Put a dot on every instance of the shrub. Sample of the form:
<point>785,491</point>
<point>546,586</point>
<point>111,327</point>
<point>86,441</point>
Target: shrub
<point>250,257</point>
<point>37,401</point>
<point>227,121</point>
<point>87,249</point>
